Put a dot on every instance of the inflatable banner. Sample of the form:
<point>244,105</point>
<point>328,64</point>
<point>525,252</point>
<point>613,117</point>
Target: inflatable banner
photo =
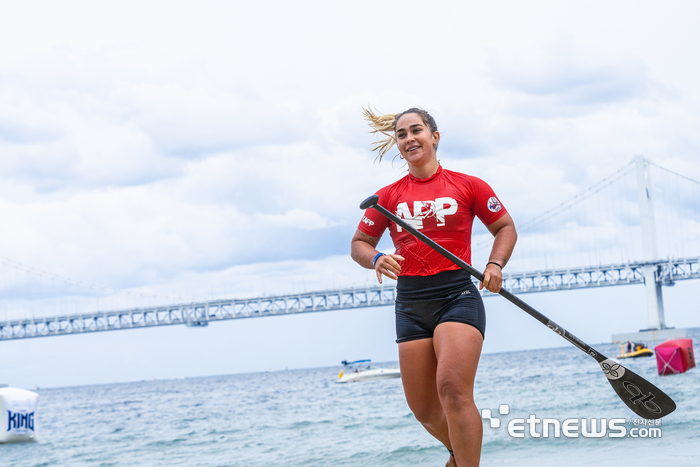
<point>17,422</point>
<point>674,356</point>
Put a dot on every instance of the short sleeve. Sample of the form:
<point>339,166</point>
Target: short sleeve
<point>373,223</point>
<point>485,204</point>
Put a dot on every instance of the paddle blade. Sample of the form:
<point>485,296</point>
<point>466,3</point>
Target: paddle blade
<point>642,397</point>
<point>369,202</point>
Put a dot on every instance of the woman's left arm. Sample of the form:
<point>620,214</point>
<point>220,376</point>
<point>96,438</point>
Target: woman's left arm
<point>505,237</point>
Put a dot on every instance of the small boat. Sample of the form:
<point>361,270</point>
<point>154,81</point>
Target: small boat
<point>636,350</point>
<point>361,370</point>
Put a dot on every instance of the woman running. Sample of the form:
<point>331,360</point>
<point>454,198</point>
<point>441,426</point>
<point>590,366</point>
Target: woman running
<point>440,319</point>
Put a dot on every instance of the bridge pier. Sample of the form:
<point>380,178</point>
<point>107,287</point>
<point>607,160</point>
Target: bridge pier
<point>655,299</point>
<point>652,279</point>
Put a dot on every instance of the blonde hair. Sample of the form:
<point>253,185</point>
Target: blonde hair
<point>383,124</point>
<point>386,125</point>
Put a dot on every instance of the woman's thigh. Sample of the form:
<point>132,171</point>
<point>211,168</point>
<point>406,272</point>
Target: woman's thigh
<point>418,370</point>
<point>457,350</point>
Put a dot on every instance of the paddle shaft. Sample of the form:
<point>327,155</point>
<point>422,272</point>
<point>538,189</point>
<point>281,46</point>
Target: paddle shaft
<point>503,292</point>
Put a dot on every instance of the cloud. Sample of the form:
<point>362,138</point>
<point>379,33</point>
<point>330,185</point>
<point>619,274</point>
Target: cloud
<point>70,130</point>
<point>564,84</point>
<point>194,122</point>
<point>295,218</point>
<point>14,131</point>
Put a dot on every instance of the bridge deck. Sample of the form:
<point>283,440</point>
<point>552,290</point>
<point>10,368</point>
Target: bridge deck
<point>201,313</point>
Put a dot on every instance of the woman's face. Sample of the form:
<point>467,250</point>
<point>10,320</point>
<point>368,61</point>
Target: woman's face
<point>415,141</point>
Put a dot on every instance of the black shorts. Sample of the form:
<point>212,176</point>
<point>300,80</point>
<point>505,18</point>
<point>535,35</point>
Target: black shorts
<point>423,302</point>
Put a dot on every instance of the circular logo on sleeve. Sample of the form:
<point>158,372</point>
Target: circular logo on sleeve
<point>494,205</point>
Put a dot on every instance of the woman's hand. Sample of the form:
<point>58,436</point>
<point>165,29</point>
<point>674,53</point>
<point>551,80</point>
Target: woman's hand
<point>505,237</point>
<point>363,250</point>
<point>389,266</point>
<point>493,278</point>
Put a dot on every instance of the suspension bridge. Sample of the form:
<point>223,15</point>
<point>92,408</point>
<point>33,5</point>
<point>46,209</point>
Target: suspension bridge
<point>547,275</point>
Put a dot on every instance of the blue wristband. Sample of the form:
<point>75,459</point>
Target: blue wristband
<point>374,261</point>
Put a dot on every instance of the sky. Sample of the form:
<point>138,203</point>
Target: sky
<point>173,151</point>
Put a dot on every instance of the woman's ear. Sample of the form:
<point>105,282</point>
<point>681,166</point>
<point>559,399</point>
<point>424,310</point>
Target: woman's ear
<point>436,139</point>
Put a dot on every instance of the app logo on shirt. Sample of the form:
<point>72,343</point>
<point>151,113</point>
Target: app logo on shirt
<point>438,209</point>
<point>494,205</point>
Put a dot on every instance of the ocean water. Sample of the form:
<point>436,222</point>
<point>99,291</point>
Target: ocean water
<point>302,418</point>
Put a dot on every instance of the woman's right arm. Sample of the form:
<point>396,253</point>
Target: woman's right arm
<point>363,249</point>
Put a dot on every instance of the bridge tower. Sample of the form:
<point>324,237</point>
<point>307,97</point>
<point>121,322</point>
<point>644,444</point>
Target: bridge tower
<point>655,303</point>
<point>657,329</point>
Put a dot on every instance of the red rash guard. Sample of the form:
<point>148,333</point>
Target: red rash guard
<point>443,208</point>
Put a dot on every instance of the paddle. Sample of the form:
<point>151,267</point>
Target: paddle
<point>642,397</point>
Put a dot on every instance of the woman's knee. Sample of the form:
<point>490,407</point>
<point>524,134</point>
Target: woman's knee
<point>455,394</point>
<point>427,412</point>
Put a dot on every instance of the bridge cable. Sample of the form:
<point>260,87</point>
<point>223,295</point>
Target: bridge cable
<point>67,280</point>
<point>590,191</point>
<point>674,173</point>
